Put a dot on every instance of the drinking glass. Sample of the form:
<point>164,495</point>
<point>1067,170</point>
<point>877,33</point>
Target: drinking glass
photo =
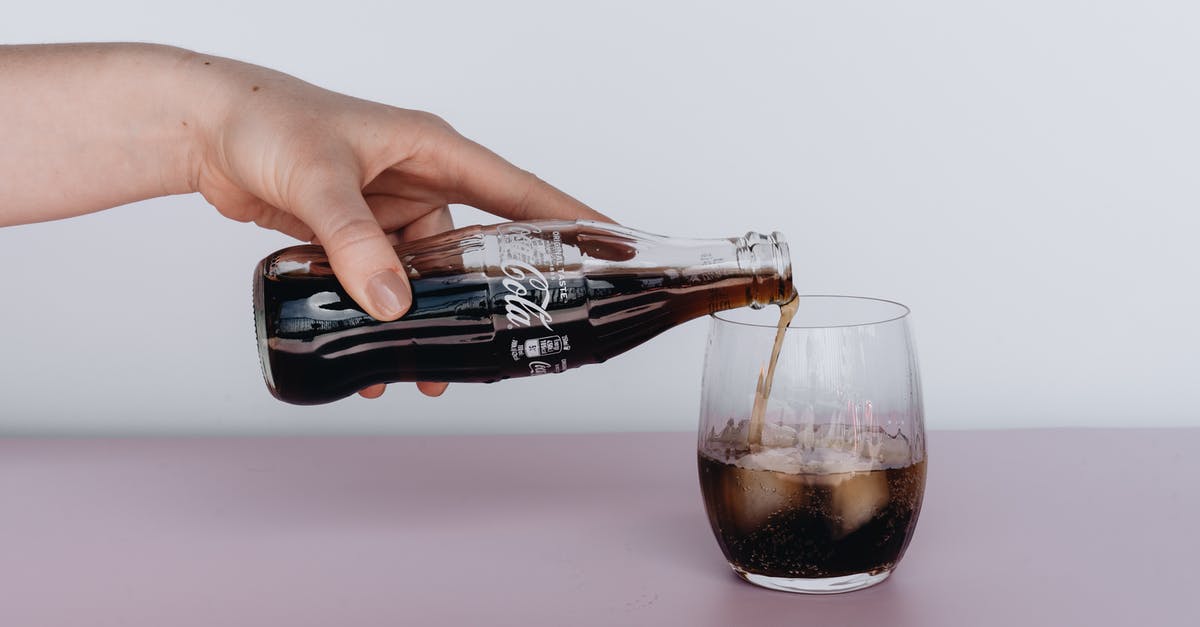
<point>821,495</point>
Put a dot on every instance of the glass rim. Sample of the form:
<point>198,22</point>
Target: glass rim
<point>723,316</point>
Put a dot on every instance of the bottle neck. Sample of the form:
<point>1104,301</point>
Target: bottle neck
<point>767,260</point>
<point>754,270</point>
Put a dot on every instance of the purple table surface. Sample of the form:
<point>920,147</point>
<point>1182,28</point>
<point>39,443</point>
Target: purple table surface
<point>1046,527</point>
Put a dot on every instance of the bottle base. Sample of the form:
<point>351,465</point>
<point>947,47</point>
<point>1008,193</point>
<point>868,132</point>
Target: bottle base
<point>260,327</point>
<point>822,585</point>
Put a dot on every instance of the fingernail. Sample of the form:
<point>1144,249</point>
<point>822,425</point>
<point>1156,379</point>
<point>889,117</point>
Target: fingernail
<point>431,388</point>
<point>388,293</point>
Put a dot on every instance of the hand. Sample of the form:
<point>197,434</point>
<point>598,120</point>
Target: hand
<point>145,121</point>
<point>356,176</point>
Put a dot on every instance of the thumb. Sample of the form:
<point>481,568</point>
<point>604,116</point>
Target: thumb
<point>359,252</point>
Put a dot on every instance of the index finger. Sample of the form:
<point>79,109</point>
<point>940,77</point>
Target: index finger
<point>484,179</point>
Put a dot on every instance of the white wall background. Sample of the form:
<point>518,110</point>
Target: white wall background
<point>1023,174</point>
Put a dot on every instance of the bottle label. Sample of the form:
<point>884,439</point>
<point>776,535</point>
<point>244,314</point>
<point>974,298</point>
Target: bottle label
<point>527,288</point>
<point>540,280</point>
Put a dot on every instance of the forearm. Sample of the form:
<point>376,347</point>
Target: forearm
<point>91,126</point>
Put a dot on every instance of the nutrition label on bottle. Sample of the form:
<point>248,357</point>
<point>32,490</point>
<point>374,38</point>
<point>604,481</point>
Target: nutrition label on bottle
<point>535,288</point>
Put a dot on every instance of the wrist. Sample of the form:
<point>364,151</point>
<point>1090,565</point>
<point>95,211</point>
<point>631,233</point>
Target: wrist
<point>162,114</point>
<point>127,120</point>
<point>198,106</point>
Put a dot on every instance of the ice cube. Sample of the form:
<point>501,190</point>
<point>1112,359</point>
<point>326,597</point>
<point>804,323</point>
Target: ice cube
<point>760,492</point>
<point>775,459</point>
<point>807,437</point>
<point>873,448</point>
<point>733,433</point>
<point>778,435</point>
<point>895,452</point>
<point>857,497</point>
<point>836,462</point>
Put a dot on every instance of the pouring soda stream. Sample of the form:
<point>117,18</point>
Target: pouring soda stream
<point>762,391</point>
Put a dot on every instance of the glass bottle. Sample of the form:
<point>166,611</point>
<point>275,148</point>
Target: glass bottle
<point>500,301</point>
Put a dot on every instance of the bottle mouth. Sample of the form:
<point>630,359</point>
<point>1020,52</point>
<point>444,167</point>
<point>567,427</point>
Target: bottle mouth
<point>771,265</point>
<point>783,261</point>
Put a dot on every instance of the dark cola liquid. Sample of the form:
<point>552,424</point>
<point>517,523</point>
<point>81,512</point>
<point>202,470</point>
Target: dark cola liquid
<point>799,525</point>
<point>490,303</point>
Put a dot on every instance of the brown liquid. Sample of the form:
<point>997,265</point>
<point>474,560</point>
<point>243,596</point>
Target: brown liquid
<point>762,392</point>
<point>782,524</point>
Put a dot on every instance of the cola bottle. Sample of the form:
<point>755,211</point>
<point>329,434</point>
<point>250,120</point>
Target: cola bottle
<point>500,301</point>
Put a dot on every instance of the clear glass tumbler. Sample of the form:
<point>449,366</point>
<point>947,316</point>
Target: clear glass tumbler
<point>823,493</point>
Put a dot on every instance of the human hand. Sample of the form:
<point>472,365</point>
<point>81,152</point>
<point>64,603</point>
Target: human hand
<point>146,121</point>
<point>356,176</point>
